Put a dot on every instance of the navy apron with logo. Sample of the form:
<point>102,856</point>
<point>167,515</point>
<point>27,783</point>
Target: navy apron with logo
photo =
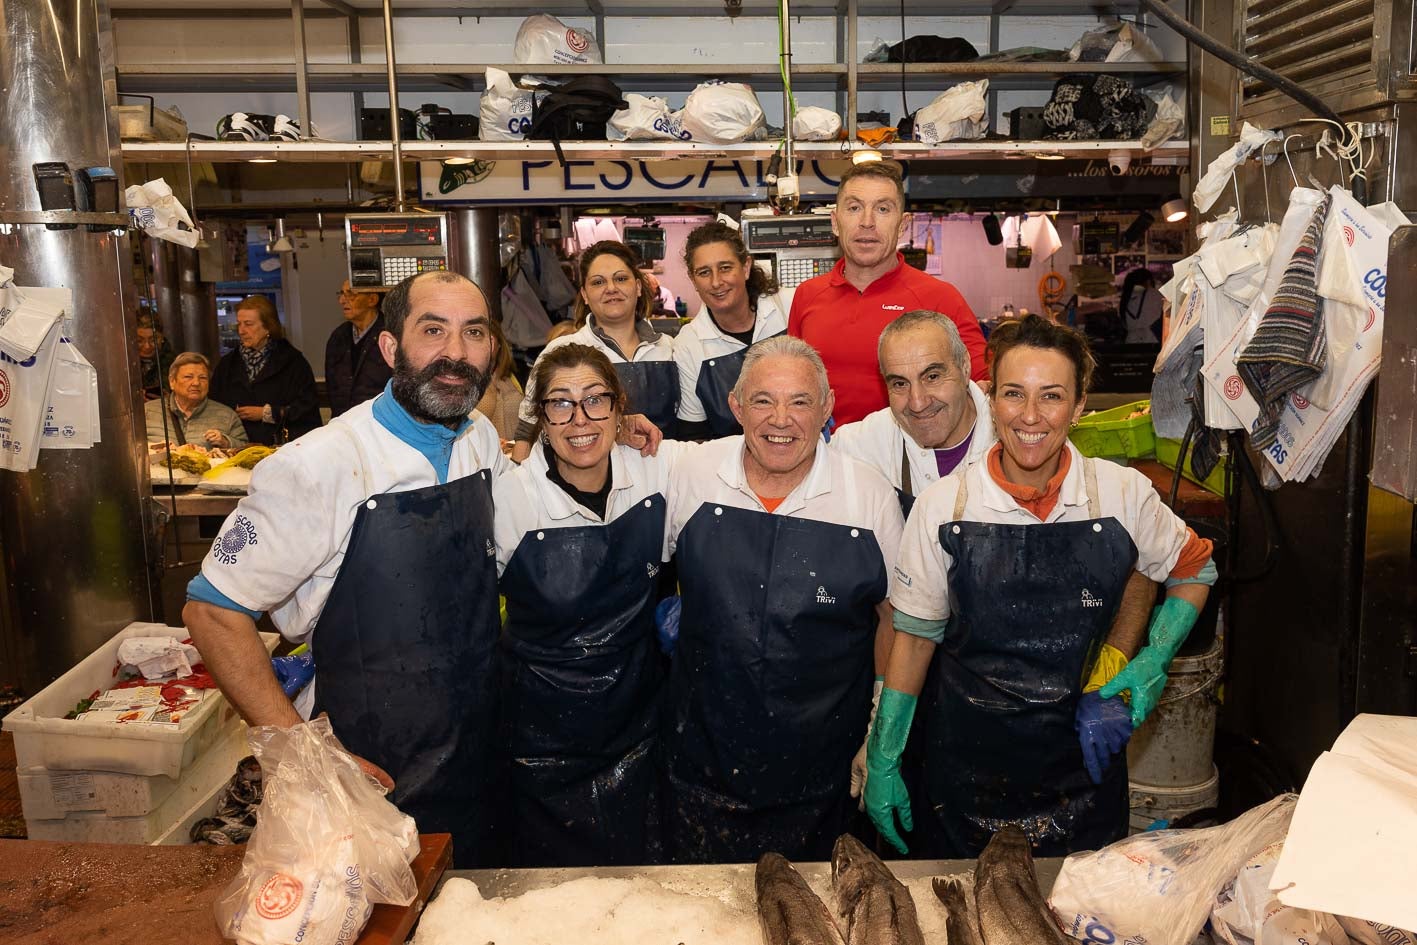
<point>717,376</point>
<point>1032,605</point>
<point>581,683</point>
<point>405,650</point>
<point>770,691</point>
<point>905,493</point>
<point>652,388</point>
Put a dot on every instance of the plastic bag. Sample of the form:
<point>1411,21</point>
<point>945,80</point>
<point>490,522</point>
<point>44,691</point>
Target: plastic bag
<point>1247,911</point>
<point>154,210</point>
<point>326,847</point>
<point>26,380</point>
<point>814,123</point>
<point>1114,41</point>
<point>505,110</point>
<point>524,321</point>
<point>1363,932</point>
<point>721,113</point>
<point>72,420</point>
<point>543,38</point>
<point>957,112</point>
<point>1159,887</point>
<point>1170,120</point>
<point>647,118</point>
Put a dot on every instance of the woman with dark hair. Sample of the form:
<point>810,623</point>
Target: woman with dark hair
<point>1140,307</point>
<point>742,306</point>
<point>580,542</point>
<point>612,316</point>
<point>1004,590</point>
<point>266,380</point>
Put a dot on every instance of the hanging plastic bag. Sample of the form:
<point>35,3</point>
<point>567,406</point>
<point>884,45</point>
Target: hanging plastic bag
<point>1247,911</point>
<point>504,110</point>
<point>1170,120</point>
<point>1159,887</point>
<point>71,420</point>
<point>544,39</point>
<point>721,113</point>
<point>24,397</point>
<point>524,321</point>
<point>646,118</point>
<point>327,845</point>
<point>957,112</point>
<point>814,123</point>
<point>154,210</point>
<point>24,329</point>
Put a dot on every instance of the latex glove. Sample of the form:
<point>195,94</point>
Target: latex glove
<point>858,764</point>
<point>1145,675</point>
<point>1109,663</point>
<point>294,671</point>
<point>1104,727</point>
<point>886,797</point>
<point>666,623</point>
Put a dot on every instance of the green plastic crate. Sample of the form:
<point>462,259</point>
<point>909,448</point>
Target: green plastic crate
<point>1168,450</point>
<point>1108,434</point>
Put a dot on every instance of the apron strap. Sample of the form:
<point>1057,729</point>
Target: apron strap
<point>962,496</point>
<point>177,423</point>
<point>1089,479</point>
<point>905,468</point>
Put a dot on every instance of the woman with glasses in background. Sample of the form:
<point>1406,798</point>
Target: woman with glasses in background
<point>580,543</point>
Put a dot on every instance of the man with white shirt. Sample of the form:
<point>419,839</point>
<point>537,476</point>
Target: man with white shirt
<point>784,545</point>
<point>938,419</point>
<point>378,530</point>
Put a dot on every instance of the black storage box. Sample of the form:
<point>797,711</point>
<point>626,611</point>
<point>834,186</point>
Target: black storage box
<point>453,127</point>
<point>1026,123</point>
<point>374,124</point>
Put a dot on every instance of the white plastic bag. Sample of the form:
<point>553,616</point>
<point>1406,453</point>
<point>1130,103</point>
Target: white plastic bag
<point>721,113</point>
<point>1247,911</point>
<point>1363,932</point>
<point>505,110</point>
<point>154,210</point>
<point>1170,120</point>
<point>24,328</point>
<point>957,112</point>
<point>24,396</point>
<point>327,845</point>
<point>71,422</point>
<point>647,118</point>
<point>542,38</point>
<point>814,123</point>
<point>1159,887</point>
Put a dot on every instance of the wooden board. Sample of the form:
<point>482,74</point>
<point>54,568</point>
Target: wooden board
<point>390,925</point>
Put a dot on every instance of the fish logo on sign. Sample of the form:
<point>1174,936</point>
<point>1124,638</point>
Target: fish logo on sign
<point>1233,387</point>
<point>4,388</point>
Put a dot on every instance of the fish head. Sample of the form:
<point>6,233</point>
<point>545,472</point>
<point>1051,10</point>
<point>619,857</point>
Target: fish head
<point>851,863</point>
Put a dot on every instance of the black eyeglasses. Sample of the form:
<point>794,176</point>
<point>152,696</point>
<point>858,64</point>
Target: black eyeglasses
<point>561,410</point>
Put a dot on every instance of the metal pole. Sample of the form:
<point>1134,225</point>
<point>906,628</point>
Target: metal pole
<point>785,56</point>
<point>302,76</point>
<point>393,105</point>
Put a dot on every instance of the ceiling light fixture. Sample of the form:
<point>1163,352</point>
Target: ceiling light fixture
<point>1174,210</point>
<point>459,161</point>
<point>865,156</point>
<point>261,161</point>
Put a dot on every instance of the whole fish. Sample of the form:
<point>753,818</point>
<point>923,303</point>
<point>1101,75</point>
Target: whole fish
<point>871,904</point>
<point>789,913</point>
<point>1009,903</point>
<point>961,921</point>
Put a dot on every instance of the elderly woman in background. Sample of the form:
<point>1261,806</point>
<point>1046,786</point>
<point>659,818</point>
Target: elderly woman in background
<point>191,416</point>
<point>266,380</point>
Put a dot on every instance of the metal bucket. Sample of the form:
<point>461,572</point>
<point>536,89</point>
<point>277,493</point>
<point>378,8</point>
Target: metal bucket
<point>1175,747</point>
<point>1152,802</point>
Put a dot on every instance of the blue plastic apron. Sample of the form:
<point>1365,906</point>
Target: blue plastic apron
<point>717,375</point>
<point>652,388</point>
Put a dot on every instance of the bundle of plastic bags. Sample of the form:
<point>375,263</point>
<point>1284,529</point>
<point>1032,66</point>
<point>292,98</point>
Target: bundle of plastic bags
<point>157,212</point>
<point>326,847</point>
<point>956,113</point>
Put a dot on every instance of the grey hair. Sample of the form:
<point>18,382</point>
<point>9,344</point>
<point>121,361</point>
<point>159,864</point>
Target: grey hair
<point>186,358</point>
<point>783,346</point>
<point>918,319</point>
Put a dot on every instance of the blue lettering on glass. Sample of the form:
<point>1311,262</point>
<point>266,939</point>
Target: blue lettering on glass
<point>566,175</point>
<point>629,176</point>
<point>662,185</point>
<point>527,168</point>
<point>713,166</point>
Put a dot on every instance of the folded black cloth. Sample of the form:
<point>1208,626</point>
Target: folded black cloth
<point>932,49</point>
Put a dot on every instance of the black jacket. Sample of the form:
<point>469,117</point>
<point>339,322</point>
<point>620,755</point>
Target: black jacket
<point>354,372</point>
<point>286,383</point>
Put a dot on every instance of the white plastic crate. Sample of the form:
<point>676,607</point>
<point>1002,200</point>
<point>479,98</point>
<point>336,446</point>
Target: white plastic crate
<point>201,786</point>
<point>45,739</point>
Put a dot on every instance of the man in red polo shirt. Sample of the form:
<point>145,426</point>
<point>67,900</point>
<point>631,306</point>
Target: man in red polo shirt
<point>842,313</point>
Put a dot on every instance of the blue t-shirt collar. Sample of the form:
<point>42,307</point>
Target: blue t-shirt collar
<point>433,440</point>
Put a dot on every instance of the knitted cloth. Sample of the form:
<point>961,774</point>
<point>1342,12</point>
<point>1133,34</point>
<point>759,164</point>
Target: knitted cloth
<point>1097,107</point>
<point>1290,348</point>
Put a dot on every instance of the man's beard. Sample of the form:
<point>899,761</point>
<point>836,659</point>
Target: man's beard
<point>429,399</point>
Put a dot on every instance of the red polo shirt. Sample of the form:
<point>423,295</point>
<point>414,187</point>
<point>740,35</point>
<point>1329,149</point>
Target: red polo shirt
<point>844,326</point>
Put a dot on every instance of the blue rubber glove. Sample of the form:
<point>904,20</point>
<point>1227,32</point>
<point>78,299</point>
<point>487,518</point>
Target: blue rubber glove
<point>1104,727</point>
<point>666,623</point>
<point>294,671</point>
<point>886,797</point>
<point>1145,675</point>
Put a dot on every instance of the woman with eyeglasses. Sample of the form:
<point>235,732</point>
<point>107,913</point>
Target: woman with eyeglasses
<point>612,316</point>
<point>580,542</point>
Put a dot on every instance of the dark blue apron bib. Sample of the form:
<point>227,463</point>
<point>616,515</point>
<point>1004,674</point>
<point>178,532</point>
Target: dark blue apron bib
<point>771,686</point>
<point>581,682</point>
<point>1032,604</point>
<point>404,651</point>
<point>717,376</point>
<point>905,493</point>
<point>652,388</point>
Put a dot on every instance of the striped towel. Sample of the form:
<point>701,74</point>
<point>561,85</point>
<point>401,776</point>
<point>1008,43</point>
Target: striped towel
<point>1289,348</point>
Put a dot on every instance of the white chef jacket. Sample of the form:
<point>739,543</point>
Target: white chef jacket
<point>920,581</point>
<point>661,348</point>
<point>528,502</point>
<point>288,536</point>
<point>878,440</point>
<point>838,490</point>
<point>701,341</point>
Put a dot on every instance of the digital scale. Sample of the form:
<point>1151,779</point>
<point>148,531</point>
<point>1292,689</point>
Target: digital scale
<point>386,248</point>
<point>798,247</point>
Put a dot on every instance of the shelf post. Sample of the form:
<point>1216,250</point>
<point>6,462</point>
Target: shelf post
<point>302,72</point>
<point>393,104</point>
<point>850,58</point>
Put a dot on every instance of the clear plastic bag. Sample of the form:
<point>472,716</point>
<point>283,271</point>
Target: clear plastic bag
<point>646,118</point>
<point>504,108</point>
<point>1159,887</point>
<point>1247,911</point>
<point>326,847</point>
<point>156,211</point>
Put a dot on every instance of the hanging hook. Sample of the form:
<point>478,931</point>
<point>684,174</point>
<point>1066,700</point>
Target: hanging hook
<point>1288,160</point>
<point>1264,175</point>
<point>1235,182</point>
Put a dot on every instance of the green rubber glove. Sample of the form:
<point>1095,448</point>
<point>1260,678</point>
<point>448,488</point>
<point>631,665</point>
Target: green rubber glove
<point>886,797</point>
<point>1145,675</point>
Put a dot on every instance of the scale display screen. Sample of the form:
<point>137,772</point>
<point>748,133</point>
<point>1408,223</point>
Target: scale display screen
<point>422,230</point>
<point>795,232</point>
<point>386,248</point>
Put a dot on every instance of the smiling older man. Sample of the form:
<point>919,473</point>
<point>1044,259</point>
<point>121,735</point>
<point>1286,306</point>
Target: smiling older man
<point>784,545</point>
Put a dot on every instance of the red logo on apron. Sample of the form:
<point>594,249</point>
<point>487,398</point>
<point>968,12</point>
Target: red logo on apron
<point>279,896</point>
<point>1233,387</point>
<point>4,389</point>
